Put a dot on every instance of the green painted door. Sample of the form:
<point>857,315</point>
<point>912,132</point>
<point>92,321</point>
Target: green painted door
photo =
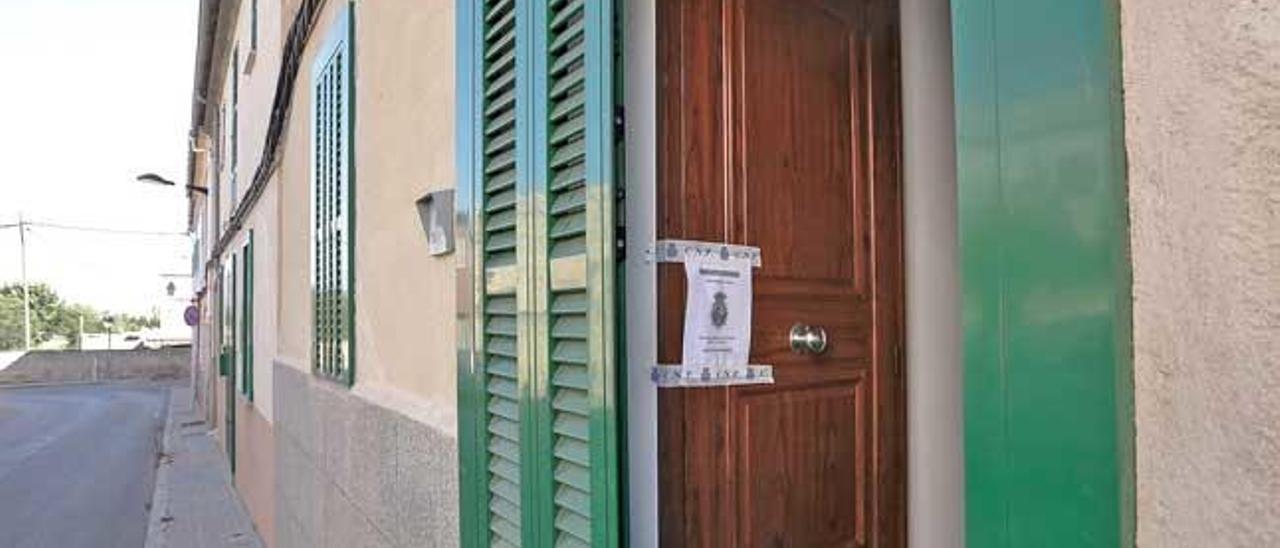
<point>538,370</point>
<point>1046,276</point>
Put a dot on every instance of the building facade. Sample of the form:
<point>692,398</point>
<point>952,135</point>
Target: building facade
<point>1016,270</point>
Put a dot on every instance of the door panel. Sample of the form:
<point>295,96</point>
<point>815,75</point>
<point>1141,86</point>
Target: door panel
<point>778,129</point>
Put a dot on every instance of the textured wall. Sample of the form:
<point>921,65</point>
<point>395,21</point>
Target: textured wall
<point>352,473</point>
<point>1202,109</point>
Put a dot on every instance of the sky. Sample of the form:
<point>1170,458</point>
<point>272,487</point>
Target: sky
<point>94,93</point>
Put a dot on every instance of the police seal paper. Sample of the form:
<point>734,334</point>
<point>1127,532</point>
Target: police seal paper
<point>717,319</point>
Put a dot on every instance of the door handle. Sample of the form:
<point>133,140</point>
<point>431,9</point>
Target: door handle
<point>807,339</point>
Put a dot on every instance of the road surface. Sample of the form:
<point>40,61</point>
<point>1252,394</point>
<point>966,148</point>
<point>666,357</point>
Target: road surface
<point>77,464</point>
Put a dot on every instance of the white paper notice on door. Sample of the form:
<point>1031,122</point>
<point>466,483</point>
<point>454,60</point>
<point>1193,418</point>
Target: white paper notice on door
<point>717,317</point>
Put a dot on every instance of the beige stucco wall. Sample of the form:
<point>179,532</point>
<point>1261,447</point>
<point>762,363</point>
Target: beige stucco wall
<point>255,476</point>
<point>404,299</point>
<point>1202,116</point>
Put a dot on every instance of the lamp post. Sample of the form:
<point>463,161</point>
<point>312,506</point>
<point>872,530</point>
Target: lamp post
<point>26,286</point>
<point>158,180</point>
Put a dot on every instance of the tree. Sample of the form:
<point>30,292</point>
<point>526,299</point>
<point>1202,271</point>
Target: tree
<point>52,317</point>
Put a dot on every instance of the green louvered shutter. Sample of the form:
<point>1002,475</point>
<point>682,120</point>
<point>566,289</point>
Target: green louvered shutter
<point>538,428</point>
<point>575,242</point>
<point>331,197</point>
<point>246,319</point>
<point>500,339</point>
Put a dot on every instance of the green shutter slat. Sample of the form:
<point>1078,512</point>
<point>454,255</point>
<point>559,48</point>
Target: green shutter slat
<point>570,201</point>
<point>568,226</point>
<point>501,325</point>
<point>503,122</point>
<point>501,162</point>
<point>503,388</point>
<point>574,152</point>
<point>505,509</point>
<point>570,327</point>
<point>501,367</point>
<point>502,220</point>
<point>505,24</point>
<point>507,430</point>
<point>498,304</point>
<point>564,11</point>
<point>572,426</point>
<point>571,352</point>
<point>500,201</point>
<point>501,181</point>
<point>506,100</point>
<point>506,59</point>
<point>504,469</point>
<point>564,38</point>
<point>571,82</point>
<point>569,107</point>
<point>571,401</point>
<point>500,241</point>
<point>570,129</point>
<point>570,303</point>
<point>571,377</point>
<point>575,500</point>
<point>569,177</point>
<point>574,524</point>
<point>502,346</point>
<point>571,474</point>
<point>504,408</point>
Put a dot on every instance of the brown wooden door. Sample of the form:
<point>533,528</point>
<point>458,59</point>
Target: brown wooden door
<point>779,128</point>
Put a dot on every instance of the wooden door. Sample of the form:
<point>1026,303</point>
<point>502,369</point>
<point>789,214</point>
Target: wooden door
<point>779,128</point>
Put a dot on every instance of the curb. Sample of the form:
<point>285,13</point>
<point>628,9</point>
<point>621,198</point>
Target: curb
<point>157,531</point>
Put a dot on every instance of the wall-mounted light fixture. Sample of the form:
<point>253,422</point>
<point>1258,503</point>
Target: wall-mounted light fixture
<point>156,179</point>
<point>435,211</point>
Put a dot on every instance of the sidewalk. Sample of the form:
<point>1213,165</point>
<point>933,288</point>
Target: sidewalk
<point>194,505</point>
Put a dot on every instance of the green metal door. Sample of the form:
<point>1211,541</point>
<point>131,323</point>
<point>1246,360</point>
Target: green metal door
<point>1044,242</point>
<point>538,370</point>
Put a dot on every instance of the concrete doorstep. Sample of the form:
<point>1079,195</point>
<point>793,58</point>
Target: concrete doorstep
<point>195,504</point>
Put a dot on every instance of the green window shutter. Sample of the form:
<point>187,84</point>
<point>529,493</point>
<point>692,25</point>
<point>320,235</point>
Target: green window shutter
<point>333,222</point>
<point>246,319</point>
<point>539,424</point>
<point>503,360</point>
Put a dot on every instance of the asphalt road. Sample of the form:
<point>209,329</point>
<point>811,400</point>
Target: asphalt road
<point>77,464</point>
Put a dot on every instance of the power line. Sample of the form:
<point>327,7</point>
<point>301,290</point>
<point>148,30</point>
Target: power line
<point>101,230</point>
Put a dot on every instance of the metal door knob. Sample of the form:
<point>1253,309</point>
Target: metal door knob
<point>807,339</point>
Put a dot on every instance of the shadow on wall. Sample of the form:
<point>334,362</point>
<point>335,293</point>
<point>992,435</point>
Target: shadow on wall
<point>99,365</point>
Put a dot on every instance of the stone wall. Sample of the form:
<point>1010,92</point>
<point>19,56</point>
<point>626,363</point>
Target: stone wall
<point>350,472</point>
<point>47,366</point>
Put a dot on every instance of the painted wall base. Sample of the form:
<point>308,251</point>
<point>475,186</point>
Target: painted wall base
<point>353,473</point>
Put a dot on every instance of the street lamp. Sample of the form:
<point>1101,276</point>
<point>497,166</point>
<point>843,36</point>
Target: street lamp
<point>156,179</point>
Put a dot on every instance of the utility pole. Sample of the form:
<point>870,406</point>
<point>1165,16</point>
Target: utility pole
<point>26,288</point>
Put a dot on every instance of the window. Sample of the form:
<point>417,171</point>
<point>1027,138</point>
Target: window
<point>227,321</point>
<point>253,25</point>
<point>244,376</point>
<point>331,196</point>
<point>253,37</point>
<point>233,130</point>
